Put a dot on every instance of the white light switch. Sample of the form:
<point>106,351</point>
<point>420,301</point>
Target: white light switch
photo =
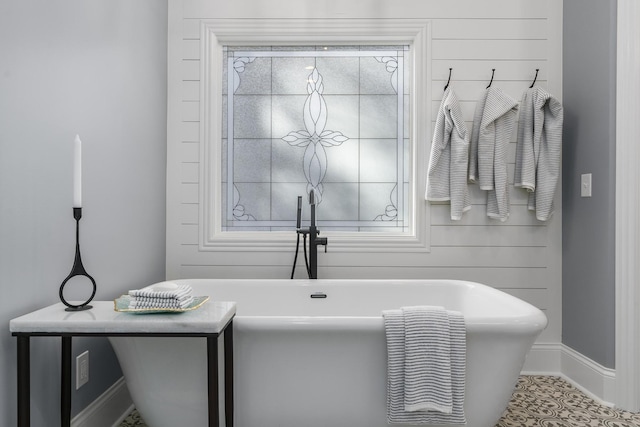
<point>585,185</point>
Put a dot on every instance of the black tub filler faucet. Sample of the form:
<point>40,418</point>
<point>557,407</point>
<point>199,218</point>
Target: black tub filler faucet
<point>314,241</point>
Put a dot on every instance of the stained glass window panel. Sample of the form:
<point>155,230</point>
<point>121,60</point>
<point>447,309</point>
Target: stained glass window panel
<point>328,119</point>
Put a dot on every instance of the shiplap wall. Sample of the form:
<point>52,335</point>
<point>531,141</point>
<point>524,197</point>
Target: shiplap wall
<point>521,256</point>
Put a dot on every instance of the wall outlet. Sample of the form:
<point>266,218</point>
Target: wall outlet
<point>82,369</point>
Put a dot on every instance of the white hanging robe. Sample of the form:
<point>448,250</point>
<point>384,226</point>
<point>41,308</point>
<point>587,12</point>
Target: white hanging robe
<point>448,164</point>
<point>539,149</point>
<point>492,127</point>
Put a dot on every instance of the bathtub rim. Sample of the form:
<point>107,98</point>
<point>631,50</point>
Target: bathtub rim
<point>529,319</point>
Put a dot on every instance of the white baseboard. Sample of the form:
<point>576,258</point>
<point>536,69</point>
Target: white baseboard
<point>544,359</point>
<point>593,378</point>
<point>108,410</point>
<point>590,377</point>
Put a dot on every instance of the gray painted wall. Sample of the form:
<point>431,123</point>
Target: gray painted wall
<point>588,226</point>
<point>97,69</point>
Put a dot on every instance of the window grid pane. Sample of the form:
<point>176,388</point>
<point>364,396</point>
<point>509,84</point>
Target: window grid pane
<point>331,119</point>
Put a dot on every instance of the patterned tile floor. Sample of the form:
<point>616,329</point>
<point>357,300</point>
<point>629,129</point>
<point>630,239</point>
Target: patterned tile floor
<point>552,402</point>
<point>538,401</point>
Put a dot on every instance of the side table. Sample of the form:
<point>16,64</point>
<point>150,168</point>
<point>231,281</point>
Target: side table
<point>209,321</point>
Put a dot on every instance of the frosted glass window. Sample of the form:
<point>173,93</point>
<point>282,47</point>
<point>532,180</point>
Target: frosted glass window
<point>329,119</point>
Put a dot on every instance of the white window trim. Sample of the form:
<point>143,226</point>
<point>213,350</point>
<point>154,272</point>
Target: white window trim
<point>627,200</point>
<point>215,33</point>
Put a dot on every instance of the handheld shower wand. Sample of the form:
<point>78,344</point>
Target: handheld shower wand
<point>299,217</point>
<point>298,221</point>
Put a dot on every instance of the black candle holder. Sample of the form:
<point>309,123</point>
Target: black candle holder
<point>77,270</point>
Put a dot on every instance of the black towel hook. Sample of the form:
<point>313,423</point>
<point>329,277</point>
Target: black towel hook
<point>493,71</point>
<point>449,80</point>
<point>535,78</point>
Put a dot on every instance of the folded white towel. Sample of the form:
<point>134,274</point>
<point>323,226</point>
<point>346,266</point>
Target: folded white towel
<point>426,349</point>
<point>176,303</point>
<point>162,290</point>
<point>162,295</point>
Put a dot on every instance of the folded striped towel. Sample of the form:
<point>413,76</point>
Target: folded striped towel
<point>163,290</point>
<point>136,302</point>
<point>426,349</point>
<point>163,295</point>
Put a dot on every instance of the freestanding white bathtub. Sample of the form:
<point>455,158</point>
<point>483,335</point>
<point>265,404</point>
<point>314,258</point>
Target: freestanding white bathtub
<point>313,353</point>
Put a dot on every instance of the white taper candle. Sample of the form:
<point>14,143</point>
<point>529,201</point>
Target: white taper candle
<point>77,172</point>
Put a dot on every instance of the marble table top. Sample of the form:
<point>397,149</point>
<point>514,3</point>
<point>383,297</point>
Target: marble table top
<point>210,318</point>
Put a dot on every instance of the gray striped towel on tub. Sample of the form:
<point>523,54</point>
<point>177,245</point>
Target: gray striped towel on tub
<point>426,348</point>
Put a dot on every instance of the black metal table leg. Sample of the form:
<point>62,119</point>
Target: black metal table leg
<point>24,380</point>
<point>65,382</point>
<point>212,381</point>
<point>228,375</point>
